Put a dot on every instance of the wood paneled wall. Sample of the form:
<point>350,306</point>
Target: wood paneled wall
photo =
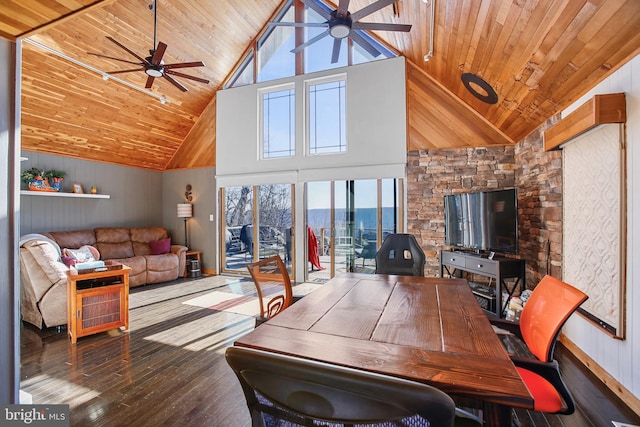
<point>438,119</point>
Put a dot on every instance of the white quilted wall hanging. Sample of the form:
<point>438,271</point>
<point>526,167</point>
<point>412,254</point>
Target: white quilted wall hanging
<point>593,223</point>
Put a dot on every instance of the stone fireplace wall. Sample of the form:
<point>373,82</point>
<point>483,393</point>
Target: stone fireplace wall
<point>432,174</point>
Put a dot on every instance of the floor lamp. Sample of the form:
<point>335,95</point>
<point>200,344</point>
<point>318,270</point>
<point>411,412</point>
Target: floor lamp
<point>185,210</point>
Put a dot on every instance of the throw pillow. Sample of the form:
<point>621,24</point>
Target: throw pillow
<point>80,255</point>
<point>160,246</point>
<point>68,261</point>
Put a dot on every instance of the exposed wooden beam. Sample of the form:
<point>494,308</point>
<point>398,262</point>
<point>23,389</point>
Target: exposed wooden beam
<point>600,109</point>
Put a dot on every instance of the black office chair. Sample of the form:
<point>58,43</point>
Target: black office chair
<point>285,390</point>
<point>400,254</point>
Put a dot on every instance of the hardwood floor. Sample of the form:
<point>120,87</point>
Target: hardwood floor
<point>169,368</point>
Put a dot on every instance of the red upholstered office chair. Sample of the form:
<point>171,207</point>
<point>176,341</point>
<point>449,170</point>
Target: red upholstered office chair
<point>291,391</point>
<point>271,277</point>
<point>545,312</point>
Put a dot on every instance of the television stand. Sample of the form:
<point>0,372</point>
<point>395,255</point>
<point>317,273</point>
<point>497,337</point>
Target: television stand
<point>455,263</point>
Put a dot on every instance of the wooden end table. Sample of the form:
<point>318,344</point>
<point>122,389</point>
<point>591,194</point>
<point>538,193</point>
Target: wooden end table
<point>97,301</point>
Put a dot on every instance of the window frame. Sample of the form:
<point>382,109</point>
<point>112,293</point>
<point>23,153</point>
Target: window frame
<point>261,121</point>
<point>340,77</point>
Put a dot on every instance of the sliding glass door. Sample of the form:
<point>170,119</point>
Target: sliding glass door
<point>258,223</point>
<point>350,219</point>
<point>345,224</point>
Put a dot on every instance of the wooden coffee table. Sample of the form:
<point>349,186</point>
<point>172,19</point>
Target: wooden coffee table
<point>97,301</point>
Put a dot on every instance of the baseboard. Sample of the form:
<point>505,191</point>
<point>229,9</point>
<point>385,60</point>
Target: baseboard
<point>612,384</point>
<point>209,272</point>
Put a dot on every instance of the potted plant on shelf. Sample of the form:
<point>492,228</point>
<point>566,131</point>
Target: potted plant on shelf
<point>39,180</point>
<point>35,179</point>
<point>55,178</point>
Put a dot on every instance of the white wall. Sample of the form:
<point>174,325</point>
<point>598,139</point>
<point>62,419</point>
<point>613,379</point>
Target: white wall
<point>621,359</point>
<point>376,125</point>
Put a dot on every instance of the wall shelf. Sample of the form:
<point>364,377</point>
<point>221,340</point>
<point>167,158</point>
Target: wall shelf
<point>57,194</point>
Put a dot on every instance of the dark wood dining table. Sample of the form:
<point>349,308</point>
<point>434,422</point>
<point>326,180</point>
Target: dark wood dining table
<point>429,330</point>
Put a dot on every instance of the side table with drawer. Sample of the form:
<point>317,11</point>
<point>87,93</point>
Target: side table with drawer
<point>454,263</point>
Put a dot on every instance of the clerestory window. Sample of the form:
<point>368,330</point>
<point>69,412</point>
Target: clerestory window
<point>272,49</point>
<point>277,117</point>
<point>326,115</point>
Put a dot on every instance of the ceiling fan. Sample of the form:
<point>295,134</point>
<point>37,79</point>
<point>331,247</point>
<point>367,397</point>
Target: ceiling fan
<point>341,24</point>
<point>153,65</point>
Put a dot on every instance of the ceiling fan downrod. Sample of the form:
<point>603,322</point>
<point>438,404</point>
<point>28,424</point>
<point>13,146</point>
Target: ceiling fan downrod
<point>154,6</point>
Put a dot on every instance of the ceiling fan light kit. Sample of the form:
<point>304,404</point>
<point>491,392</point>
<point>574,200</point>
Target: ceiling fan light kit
<point>153,65</point>
<point>154,72</point>
<point>340,27</point>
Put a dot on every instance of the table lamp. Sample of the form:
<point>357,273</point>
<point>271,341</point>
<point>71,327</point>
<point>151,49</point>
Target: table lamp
<point>185,210</point>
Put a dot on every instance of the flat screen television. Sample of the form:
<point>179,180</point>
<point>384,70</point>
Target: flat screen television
<point>482,221</point>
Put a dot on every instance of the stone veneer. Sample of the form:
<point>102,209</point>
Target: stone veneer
<point>539,183</point>
<point>432,174</point>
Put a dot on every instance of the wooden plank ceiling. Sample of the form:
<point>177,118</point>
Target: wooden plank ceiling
<point>538,55</point>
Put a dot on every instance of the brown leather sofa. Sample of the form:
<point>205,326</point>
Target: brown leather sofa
<point>43,275</point>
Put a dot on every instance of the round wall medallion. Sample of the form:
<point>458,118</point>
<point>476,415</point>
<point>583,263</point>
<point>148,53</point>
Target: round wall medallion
<point>479,88</point>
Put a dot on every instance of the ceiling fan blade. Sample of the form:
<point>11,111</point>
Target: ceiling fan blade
<point>184,65</point>
<point>335,55</point>
<point>365,44</point>
<point>158,53</point>
<point>310,41</point>
<point>115,59</point>
<point>368,10</point>
<point>176,83</point>
<point>186,76</point>
<point>297,24</point>
<point>149,82</point>
<point>343,8</point>
<point>125,71</point>
<point>141,59</point>
<point>311,4</point>
<point>380,26</point>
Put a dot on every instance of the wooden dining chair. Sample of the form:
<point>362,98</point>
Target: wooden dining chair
<point>550,305</point>
<point>273,287</point>
<point>286,390</point>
